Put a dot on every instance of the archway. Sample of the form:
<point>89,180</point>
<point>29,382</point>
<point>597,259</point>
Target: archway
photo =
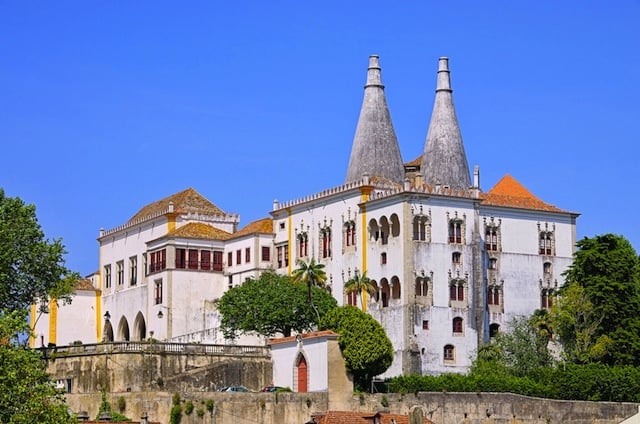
<point>107,334</point>
<point>123,330</point>
<point>302,375</point>
<point>139,327</point>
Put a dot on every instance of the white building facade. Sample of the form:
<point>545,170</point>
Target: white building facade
<point>452,264</point>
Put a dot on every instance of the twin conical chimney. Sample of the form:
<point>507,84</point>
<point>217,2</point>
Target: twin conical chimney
<point>444,161</point>
<point>375,149</point>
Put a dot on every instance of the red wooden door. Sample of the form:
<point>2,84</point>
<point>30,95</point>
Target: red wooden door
<point>303,375</point>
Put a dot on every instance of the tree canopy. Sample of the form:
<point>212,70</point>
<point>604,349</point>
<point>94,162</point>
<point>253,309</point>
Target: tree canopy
<point>27,395</point>
<point>271,305</point>
<point>360,284</point>
<point>31,267</point>
<point>365,346</point>
<point>597,317</point>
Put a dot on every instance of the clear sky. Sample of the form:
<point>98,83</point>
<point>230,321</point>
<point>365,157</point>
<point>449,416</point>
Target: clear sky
<point>107,106</point>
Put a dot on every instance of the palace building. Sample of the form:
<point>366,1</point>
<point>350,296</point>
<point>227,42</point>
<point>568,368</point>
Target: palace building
<point>452,264</point>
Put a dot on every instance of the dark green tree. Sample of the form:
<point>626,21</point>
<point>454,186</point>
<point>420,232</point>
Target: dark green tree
<point>366,349</point>
<point>27,395</point>
<point>271,305</point>
<point>31,267</point>
<point>607,268</point>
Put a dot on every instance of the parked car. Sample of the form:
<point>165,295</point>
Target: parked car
<point>275,389</point>
<point>234,389</point>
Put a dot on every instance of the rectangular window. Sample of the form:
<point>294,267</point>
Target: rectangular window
<point>383,258</point>
<point>133,270</point>
<point>286,255</point>
<point>425,324</point>
<point>280,254</point>
<point>193,258</point>
<point>181,259</point>
<point>266,253</point>
<point>217,260</point>
<point>230,282</point>
<point>229,258</point>
<point>205,260</point>
<point>158,261</point>
<point>238,257</point>
<point>107,276</point>
<point>120,272</point>
<point>247,255</point>
<point>158,292</point>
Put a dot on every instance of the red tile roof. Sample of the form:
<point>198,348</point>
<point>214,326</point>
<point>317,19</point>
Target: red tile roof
<point>351,417</point>
<point>84,284</point>
<point>416,162</point>
<point>509,192</point>
<point>305,336</point>
<point>199,230</point>
<point>185,201</point>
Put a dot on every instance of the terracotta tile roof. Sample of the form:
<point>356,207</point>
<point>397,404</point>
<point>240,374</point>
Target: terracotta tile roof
<point>84,284</point>
<point>351,417</point>
<point>261,226</point>
<point>199,230</point>
<point>185,201</point>
<point>305,336</point>
<point>414,163</point>
<point>510,193</point>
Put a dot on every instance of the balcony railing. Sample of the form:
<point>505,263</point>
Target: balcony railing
<point>156,347</point>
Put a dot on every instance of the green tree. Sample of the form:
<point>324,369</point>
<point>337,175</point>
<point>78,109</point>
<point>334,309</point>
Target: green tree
<point>313,275</point>
<point>27,395</point>
<point>519,351</point>
<point>364,344</point>
<point>270,305</point>
<point>31,267</point>
<point>607,268</point>
<point>360,284</point>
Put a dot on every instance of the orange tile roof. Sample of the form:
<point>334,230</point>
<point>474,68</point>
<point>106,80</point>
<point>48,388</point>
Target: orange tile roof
<point>185,201</point>
<point>510,193</point>
<point>199,230</point>
<point>416,162</point>
<point>84,284</point>
<point>351,417</point>
<point>261,226</point>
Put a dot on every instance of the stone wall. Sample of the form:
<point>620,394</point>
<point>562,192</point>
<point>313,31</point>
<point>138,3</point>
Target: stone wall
<point>296,408</point>
<point>172,367</point>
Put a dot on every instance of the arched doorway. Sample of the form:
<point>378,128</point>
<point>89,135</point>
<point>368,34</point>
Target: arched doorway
<point>107,334</point>
<point>123,330</point>
<point>302,375</point>
<point>139,327</point>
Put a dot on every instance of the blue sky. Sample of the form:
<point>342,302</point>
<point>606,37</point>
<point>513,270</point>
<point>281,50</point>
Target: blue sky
<point>108,106</point>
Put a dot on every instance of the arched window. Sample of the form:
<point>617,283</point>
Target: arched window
<point>422,286</point>
<point>385,292</point>
<point>545,243</point>
<point>493,263</point>
<point>303,245</point>
<point>376,296</point>
<point>421,228</point>
<point>455,231</point>
<point>325,242</point>
<point>374,230</point>
<point>494,329</point>
<point>384,230</point>
<point>456,290</point>
<point>546,268</point>
<point>395,287</point>
<point>449,353</point>
<point>123,330</point>
<point>456,258</point>
<point>349,234</point>
<point>352,299</point>
<point>491,238</point>
<point>395,225</point>
<point>457,325</point>
<point>139,327</point>
<point>546,299</point>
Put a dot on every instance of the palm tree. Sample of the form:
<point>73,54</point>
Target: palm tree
<point>312,274</point>
<point>361,284</point>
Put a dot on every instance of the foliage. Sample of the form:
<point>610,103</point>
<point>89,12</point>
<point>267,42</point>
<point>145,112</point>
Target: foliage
<point>521,350</point>
<point>365,346</point>
<point>188,407</point>
<point>122,404</point>
<point>31,267</point>
<point>105,407</point>
<point>175,415</point>
<point>313,275</point>
<point>210,405</point>
<point>606,271</point>
<point>360,284</point>
<point>27,395</point>
<point>270,305</point>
